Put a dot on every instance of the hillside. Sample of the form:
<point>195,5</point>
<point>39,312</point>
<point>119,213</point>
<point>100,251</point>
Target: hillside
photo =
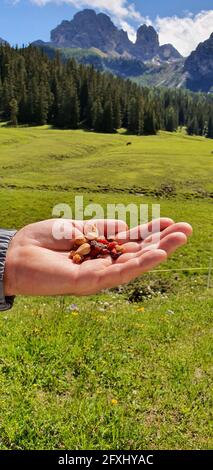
<point>199,67</point>
<point>165,75</point>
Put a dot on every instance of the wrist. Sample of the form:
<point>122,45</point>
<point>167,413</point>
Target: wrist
<point>9,289</point>
<point>6,288</point>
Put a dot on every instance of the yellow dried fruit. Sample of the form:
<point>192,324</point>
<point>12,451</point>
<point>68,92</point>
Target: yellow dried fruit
<point>84,249</point>
<point>119,248</point>
<point>77,259</point>
<point>72,253</point>
<point>80,241</point>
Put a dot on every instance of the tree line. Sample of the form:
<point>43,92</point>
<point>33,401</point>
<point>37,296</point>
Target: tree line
<point>37,90</point>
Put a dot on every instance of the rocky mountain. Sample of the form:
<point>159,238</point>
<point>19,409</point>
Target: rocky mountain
<point>147,46</point>
<point>147,43</point>
<point>92,38</point>
<point>199,67</point>
<point>91,30</point>
<point>167,75</point>
<point>87,30</point>
<point>167,52</point>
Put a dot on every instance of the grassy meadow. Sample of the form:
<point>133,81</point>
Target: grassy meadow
<point>129,368</point>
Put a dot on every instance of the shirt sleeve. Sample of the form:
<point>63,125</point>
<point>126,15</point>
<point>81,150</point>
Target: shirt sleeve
<point>5,238</point>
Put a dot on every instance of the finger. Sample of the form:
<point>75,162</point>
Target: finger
<point>169,244</point>
<point>182,227</point>
<point>141,232</point>
<point>119,274</point>
<point>131,247</point>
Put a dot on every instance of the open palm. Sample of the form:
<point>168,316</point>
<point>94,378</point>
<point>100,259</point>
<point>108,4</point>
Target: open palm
<point>39,264</point>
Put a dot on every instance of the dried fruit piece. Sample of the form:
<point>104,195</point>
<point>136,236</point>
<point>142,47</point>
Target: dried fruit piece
<point>119,248</point>
<point>114,254</point>
<point>95,247</point>
<point>84,249</point>
<point>92,235</point>
<point>78,259</point>
<point>103,241</point>
<point>112,245</point>
<point>80,241</point>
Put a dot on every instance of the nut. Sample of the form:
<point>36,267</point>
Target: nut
<point>77,259</point>
<point>92,235</point>
<point>80,241</point>
<point>84,249</point>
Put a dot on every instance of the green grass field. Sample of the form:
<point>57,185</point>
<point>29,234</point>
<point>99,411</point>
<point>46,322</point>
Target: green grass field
<point>110,373</point>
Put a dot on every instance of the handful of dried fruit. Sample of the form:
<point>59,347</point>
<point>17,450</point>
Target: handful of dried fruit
<point>91,246</point>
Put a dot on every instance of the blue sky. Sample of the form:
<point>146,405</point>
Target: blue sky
<point>185,23</point>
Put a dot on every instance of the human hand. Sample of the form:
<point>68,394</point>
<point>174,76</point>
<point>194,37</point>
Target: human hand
<point>38,264</point>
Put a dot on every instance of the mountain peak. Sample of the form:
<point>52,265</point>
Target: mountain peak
<point>146,31</point>
<point>86,12</point>
<point>199,66</point>
<point>147,42</point>
<point>89,29</point>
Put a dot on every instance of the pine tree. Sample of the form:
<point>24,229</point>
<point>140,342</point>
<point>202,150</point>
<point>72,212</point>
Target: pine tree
<point>14,112</point>
<point>74,110</point>
<point>133,116</point>
<point>141,123</point>
<point>192,127</point>
<point>42,104</point>
<point>210,127</point>
<point>108,119</point>
<point>97,116</point>
<point>150,122</point>
<point>35,89</point>
<point>171,122</point>
<point>117,114</point>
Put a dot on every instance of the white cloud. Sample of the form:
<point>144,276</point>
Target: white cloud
<point>121,9</point>
<point>185,33</point>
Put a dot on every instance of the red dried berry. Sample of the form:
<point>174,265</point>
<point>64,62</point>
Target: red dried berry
<point>103,241</point>
<point>112,245</point>
<point>100,248</point>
